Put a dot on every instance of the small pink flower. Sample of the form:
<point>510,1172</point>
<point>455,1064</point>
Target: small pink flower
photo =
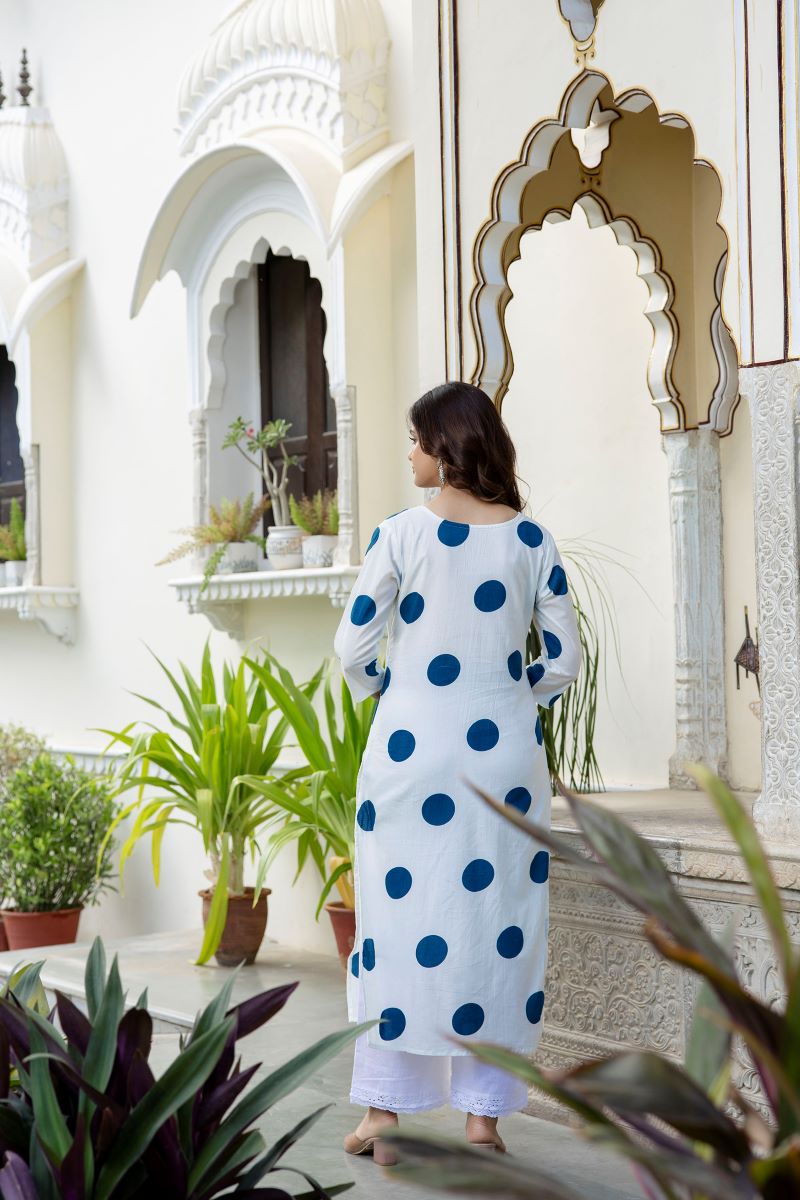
<point>250,432</point>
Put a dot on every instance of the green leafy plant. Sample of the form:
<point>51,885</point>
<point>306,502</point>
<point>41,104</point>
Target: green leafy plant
<point>196,772</point>
<point>316,514</point>
<point>232,521</point>
<point>52,820</point>
<point>88,1120</point>
<point>257,445</point>
<point>12,535</point>
<point>688,1130</point>
<point>319,811</point>
<point>569,727</point>
<point>18,747</point>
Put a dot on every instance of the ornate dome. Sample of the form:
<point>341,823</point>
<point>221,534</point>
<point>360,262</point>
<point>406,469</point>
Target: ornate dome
<point>316,64</point>
<point>34,187</point>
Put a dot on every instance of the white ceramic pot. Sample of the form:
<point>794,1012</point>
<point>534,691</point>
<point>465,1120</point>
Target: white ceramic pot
<point>239,556</point>
<point>285,546</point>
<point>318,549</point>
<point>15,571</point>
<point>3,573</point>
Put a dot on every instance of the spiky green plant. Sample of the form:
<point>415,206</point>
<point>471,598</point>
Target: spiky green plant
<point>316,514</point>
<point>231,521</point>
<point>319,810</point>
<point>193,772</point>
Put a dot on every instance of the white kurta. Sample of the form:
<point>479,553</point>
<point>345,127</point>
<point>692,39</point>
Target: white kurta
<point>452,901</point>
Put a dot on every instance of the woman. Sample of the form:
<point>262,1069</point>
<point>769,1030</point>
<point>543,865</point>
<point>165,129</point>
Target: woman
<point>451,900</point>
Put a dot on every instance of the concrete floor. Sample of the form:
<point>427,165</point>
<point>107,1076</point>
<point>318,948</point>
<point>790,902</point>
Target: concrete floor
<point>177,989</point>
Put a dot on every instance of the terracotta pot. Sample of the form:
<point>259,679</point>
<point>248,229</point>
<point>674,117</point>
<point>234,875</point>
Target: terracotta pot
<point>3,938</point>
<point>24,930</point>
<point>244,926</point>
<point>343,920</point>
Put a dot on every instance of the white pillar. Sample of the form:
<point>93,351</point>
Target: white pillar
<point>696,527</point>
<point>772,392</point>
<point>348,548</point>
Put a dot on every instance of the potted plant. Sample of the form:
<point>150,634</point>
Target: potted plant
<point>229,531</point>
<point>318,515</point>
<point>52,819</point>
<point>284,540</point>
<point>319,811</point>
<point>18,747</point>
<point>12,546</point>
<point>193,769</point>
<point>88,1119</point>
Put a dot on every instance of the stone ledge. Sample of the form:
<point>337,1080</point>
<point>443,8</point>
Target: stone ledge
<point>222,602</point>
<point>53,607</point>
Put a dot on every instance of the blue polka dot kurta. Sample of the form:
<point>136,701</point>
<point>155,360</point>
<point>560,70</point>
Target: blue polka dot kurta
<point>452,901</point>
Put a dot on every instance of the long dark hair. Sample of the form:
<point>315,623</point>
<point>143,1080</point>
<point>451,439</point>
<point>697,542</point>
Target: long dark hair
<point>458,423</point>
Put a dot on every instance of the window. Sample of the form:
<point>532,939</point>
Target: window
<point>293,373</point>
<point>12,471</point>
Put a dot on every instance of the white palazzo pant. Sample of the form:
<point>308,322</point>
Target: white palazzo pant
<point>401,1082</point>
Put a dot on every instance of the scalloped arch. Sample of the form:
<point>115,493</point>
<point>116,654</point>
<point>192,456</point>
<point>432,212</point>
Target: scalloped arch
<point>215,347</point>
<point>491,293</point>
<point>658,309</point>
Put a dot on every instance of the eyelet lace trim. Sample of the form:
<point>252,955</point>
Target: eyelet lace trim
<point>479,1107</point>
<point>392,1103</point>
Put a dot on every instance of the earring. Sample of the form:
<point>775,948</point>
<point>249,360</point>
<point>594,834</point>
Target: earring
<point>440,466</point>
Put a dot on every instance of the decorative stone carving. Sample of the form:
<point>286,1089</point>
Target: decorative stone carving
<point>315,65</point>
<point>696,528</point>
<point>772,392</point>
<point>608,990</point>
<point>33,188</point>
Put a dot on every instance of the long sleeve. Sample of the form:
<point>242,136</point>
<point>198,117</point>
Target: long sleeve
<point>554,618</point>
<point>366,613</point>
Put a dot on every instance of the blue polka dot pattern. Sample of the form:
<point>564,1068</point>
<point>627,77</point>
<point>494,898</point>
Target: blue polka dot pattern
<point>371,668</point>
<point>515,664</point>
<point>551,644</point>
<point>401,745</point>
<point>535,672</point>
<point>431,951</point>
<point>519,798</point>
<point>530,534</point>
<point>363,610</point>
<point>393,1022</point>
<point>557,581</point>
<point>483,734</point>
<point>411,607</point>
<point>387,675</point>
<point>509,943</point>
<point>468,1019</point>
<point>538,730</point>
<point>490,595</point>
<point>452,533</point>
<point>438,809</point>
<point>552,702</point>
<point>372,540</point>
<point>534,1007</point>
<point>443,669</point>
<point>368,954</point>
<point>477,875</point>
<point>354,964</point>
<point>540,866</point>
<point>366,816</point>
<point>398,882</point>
